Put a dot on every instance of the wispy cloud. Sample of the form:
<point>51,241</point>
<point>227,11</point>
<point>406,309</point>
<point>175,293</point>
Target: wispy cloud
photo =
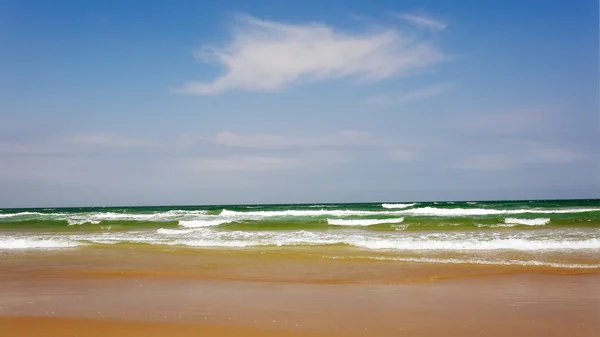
<point>423,21</point>
<point>264,162</point>
<point>516,121</point>
<point>388,99</point>
<point>514,153</point>
<point>486,162</point>
<point>267,55</point>
<point>280,141</point>
<point>401,156</point>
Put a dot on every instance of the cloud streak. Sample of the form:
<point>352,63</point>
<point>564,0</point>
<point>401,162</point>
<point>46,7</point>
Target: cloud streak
<point>410,96</point>
<point>516,153</point>
<point>279,141</point>
<point>423,22</point>
<point>267,56</point>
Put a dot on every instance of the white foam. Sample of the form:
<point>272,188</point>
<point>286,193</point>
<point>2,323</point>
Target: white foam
<point>527,222</point>
<point>30,243</point>
<point>497,225</point>
<point>534,263</point>
<point>96,217</point>
<point>397,205</point>
<point>204,223</point>
<point>168,231</point>
<point>399,241</point>
<point>434,211</point>
<point>497,244</point>
<point>73,222</point>
<point>540,240</point>
<point>423,211</point>
<point>363,222</point>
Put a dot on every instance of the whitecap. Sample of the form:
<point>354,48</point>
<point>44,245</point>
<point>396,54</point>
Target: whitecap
<point>397,205</point>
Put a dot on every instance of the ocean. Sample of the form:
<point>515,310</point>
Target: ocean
<point>553,233</point>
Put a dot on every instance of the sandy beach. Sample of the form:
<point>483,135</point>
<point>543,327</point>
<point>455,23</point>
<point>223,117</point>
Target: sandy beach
<point>122,291</point>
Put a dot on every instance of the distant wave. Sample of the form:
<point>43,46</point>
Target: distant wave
<point>12,215</point>
<point>300,213</point>
<point>210,218</point>
<point>434,211</point>
<point>397,205</point>
<point>363,222</point>
<point>96,217</point>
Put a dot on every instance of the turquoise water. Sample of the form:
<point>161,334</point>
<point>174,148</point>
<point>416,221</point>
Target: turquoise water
<point>537,230</point>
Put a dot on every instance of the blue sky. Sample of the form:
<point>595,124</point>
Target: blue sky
<point>204,102</point>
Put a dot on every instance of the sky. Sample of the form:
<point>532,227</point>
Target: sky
<point>272,101</point>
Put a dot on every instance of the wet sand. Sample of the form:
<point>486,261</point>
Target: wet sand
<point>148,292</point>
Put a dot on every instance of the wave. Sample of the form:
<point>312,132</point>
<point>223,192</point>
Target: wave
<point>423,211</point>
<point>500,262</point>
<point>168,231</point>
<point>300,213</point>
<point>561,240</point>
<point>20,214</point>
<point>497,225</point>
<point>74,222</point>
<point>97,217</point>
<point>363,222</point>
<point>203,223</point>
<point>205,218</point>
<point>401,245</point>
<point>28,243</point>
<point>498,244</point>
<point>397,205</point>
<point>458,212</point>
<point>527,222</point>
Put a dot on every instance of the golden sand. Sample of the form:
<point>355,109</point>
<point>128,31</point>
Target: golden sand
<point>146,292</point>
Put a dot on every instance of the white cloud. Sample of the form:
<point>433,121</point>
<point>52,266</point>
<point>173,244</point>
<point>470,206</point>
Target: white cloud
<point>424,22</point>
<point>279,141</point>
<point>405,97</point>
<point>268,55</point>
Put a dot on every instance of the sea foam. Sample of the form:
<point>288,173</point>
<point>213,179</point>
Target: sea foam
<point>501,262</point>
<point>527,222</point>
<point>30,243</point>
<point>204,223</point>
<point>300,213</point>
<point>434,211</point>
<point>363,222</point>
